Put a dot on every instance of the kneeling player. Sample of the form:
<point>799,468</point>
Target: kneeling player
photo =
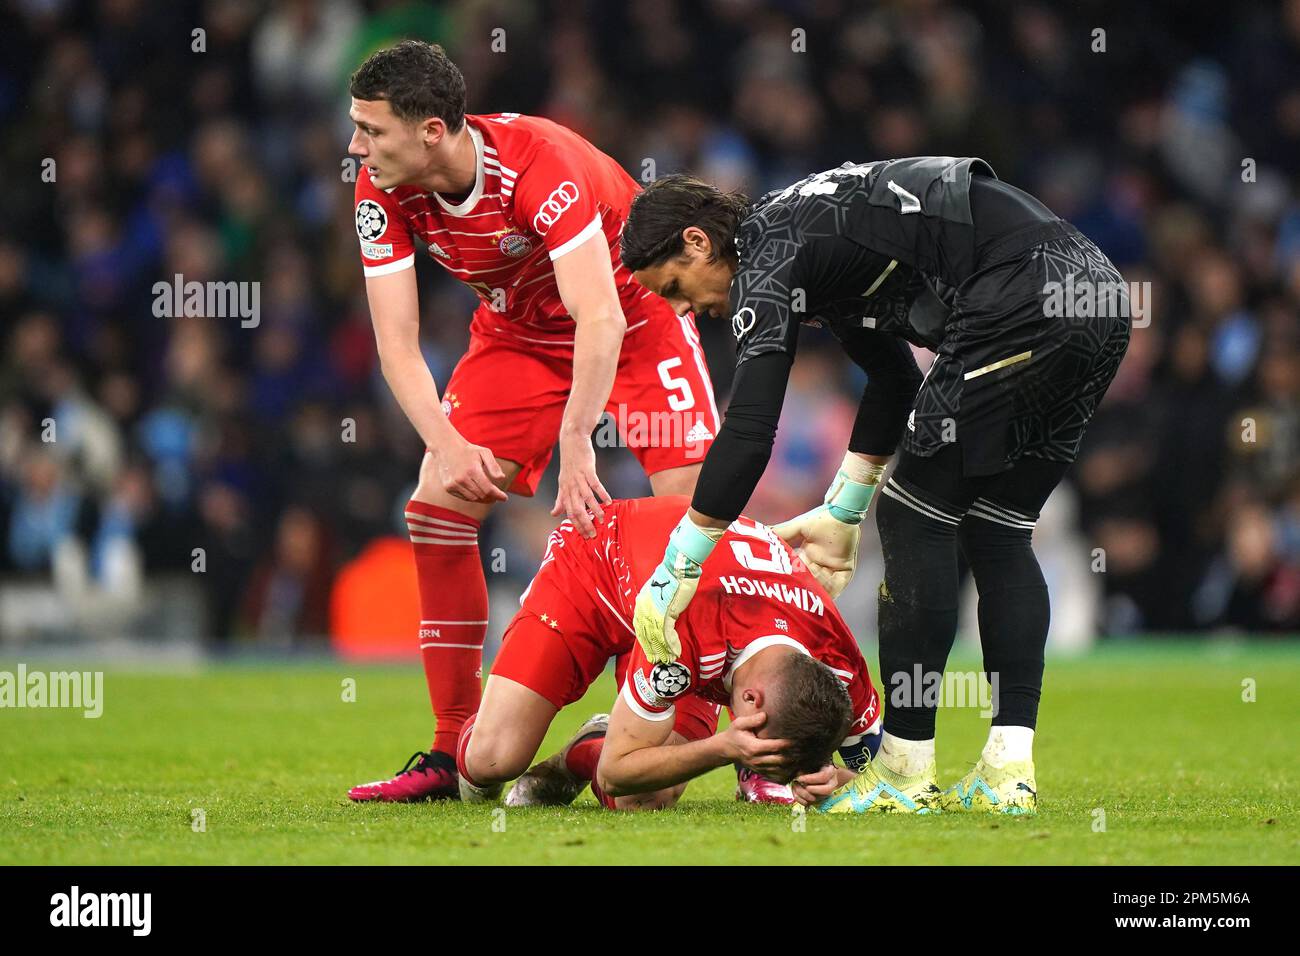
<point>763,636</point>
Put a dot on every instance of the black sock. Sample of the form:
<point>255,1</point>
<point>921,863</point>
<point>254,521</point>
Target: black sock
<point>917,604</point>
<point>1014,611</point>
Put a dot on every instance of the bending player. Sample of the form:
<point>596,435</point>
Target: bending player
<point>936,252</point>
<point>527,214</point>
<point>762,636</point>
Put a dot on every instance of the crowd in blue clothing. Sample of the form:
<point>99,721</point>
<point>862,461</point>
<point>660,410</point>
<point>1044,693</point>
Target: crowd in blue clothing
<point>127,440</point>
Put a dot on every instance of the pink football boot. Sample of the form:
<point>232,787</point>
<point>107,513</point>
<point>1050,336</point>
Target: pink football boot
<point>432,778</point>
<point>755,788</point>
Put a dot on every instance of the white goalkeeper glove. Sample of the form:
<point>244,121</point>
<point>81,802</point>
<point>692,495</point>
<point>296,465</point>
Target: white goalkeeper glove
<point>831,531</point>
<point>664,597</point>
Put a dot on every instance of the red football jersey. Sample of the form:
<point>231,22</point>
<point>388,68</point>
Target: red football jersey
<point>540,190</point>
<point>754,593</point>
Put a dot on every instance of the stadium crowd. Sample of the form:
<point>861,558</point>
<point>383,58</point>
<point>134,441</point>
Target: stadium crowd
<point>128,440</point>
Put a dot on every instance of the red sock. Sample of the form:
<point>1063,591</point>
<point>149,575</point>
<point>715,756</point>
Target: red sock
<point>601,796</point>
<point>581,762</point>
<point>462,747</point>
<point>584,756</point>
<point>453,611</point>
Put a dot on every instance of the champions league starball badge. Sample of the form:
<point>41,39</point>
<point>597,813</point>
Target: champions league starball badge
<point>371,220</point>
<point>669,680</point>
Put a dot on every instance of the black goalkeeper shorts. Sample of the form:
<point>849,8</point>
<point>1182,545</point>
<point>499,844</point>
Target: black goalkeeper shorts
<point>1014,377</point>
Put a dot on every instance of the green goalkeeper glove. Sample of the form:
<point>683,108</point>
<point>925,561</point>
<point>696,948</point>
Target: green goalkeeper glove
<point>830,532</point>
<point>664,597</point>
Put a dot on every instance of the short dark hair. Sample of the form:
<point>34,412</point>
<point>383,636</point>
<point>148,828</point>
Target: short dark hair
<point>667,206</point>
<point>417,79</point>
<point>809,706</point>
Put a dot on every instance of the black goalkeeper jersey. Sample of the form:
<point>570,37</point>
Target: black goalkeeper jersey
<point>869,246</point>
<point>874,252</point>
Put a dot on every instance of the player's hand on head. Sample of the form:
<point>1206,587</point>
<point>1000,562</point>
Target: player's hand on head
<point>470,473</point>
<point>764,755</point>
<point>580,494</point>
<point>810,788</point>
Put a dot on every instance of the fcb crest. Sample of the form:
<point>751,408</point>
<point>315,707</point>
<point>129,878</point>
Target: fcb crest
<point>515,245</point>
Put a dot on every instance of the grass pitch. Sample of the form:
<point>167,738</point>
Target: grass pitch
<point>1145,754</point>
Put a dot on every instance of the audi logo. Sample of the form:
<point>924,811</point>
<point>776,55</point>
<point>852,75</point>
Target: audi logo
<point>563,196</point>
<point>742,323</point>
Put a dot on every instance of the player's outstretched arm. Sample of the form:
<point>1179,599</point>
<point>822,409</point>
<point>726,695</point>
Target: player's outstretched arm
<point>469,472</point>
<point>766,332</point>
<point>827,536</point>
<point>584,276</point>
<point>664,597</point>
<point>730,472</point>
<point>637,757</point>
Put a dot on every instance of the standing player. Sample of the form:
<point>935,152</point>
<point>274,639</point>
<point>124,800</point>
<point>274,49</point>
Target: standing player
<point>937,252</point>
<point>527,213</point>
<point>762,636</point>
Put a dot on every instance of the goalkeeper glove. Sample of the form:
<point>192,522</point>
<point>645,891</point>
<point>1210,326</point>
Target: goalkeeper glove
<point>664,597</point>
<point>831,531</point>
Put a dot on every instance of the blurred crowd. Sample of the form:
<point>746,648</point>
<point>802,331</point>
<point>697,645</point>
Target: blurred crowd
<point>144,140</point>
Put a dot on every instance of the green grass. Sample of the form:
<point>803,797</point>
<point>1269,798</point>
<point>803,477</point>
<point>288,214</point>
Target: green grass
<point>1157,738</point>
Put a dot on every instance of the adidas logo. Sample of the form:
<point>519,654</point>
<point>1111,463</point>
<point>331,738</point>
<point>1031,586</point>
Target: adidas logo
<point>699,433</point>
<point>438,250</point>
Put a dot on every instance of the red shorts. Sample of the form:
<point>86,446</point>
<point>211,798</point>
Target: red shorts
<point>561,639</point>
<point>509,397</point>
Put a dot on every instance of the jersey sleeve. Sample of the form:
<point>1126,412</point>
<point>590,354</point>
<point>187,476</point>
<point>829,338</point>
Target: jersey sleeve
<point>386,244</point>
<point>651,689</point>
<point>556,197</point>
<point>762,294</point>
<point>893,380</point>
